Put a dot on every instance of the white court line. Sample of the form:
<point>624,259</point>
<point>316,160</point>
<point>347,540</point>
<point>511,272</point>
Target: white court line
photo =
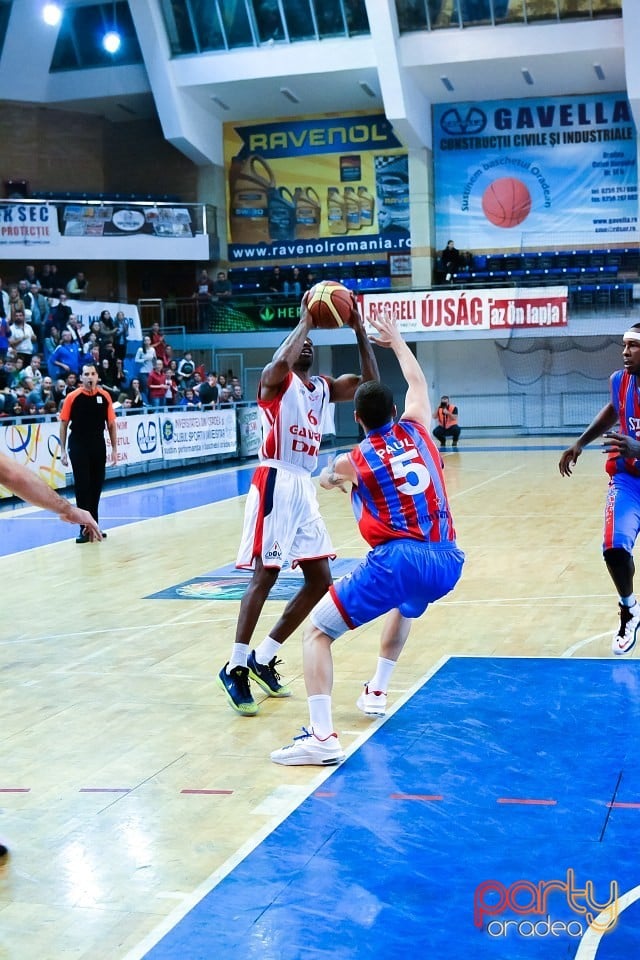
<point>583,643</point>
<point>591,940</point>
<point>288,801</point>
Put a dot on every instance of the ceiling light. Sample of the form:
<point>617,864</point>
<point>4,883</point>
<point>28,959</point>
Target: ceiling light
<point>527,77</point>
<point>599,72</point>
<point>447,83</point>
<point>289,95</point>
<point>52,14</point>
<point>367,89</point>
<point>111,41</point>
<point>221,103</point>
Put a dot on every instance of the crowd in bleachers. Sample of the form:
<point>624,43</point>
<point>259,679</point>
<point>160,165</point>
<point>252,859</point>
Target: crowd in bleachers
<point>43,349</point>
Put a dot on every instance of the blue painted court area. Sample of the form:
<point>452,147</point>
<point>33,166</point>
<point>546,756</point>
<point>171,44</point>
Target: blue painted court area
<point>434,839</point>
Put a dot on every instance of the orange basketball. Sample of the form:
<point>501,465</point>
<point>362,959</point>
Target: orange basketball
<point>330,304</point>
<point>506,202</point>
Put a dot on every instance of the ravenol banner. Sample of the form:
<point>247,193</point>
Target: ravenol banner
<point>315,188</point>
<point>514,173</point>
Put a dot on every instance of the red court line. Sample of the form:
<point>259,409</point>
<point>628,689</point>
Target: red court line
<point>624,806</point>
<point>415,796</point>
<point>224,793</point>
<point>325,793</point>
<point>105,790</point>
<point>15,789</point>
<point>528,801</point>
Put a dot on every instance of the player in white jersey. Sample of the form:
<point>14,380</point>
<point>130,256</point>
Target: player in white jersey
<point>282,518</point>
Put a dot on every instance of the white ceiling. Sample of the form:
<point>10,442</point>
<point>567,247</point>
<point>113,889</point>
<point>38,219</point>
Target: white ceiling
<point>481,63</point>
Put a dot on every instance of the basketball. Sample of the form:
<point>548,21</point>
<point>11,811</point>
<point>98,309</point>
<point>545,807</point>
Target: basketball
<point>330,304</point>
<point>506,202</point>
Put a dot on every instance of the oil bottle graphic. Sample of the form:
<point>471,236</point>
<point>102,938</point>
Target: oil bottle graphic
<point>351,209</point>
<point>307,204</point>
<point>336,214</point>
<point>367,207</point>
<point>251,181</point>
<point>282,214</point>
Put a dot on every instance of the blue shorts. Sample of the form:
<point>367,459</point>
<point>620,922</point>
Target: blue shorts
<point>404,575</point>
<point>622,512</point>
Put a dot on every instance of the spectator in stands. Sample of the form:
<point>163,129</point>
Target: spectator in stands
<point>275,281</point>
<point>22,336</point>
<point>31,277</point>
<point>40,394</point>
<point>39,307</point>
<point>110,379</point>
<point>189,400</point>
<point>59,391</point>
<point>53,284</point>
<point>222,381</point>
<point>236,393</point>
<point>209,392</point>
<point>293,283</point>
<point>310,280</point>
<point>146,358</point>
<point>33,370</point>
<point>157,384</point>
<point>15,301</point>
<point>134,394</point>
<point>451,260</point>
<point>222,288</point>
<point>73,325</point>
<point>58,315</point>
<point>5,306</point>
<point>204,294</point>
<point>121,335</point>
<point>225,396</point>
<point>447,416</point>
<point>50,343</point>
<point>5,333</point>
<point>186,370</point>
<point>78,286</point>
<point>159,344</point>
<point>66,358</point>
<point>107,328</point>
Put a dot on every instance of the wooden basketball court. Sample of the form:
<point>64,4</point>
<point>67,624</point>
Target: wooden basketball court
<point>127,783</point>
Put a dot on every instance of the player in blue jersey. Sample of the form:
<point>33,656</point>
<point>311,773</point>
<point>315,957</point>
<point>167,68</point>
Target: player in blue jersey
<point>400,503</point>
<point>622,507</point>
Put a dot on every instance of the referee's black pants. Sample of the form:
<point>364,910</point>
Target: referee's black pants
<point>88,462</point>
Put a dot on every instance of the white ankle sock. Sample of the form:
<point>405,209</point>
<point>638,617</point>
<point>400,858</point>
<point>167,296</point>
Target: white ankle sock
<point>239,654</point>
<point>320,715</point>
<point>380,679</point>
<point>267,650</point>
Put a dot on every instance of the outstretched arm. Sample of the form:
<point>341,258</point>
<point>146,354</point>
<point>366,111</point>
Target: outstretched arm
<point>30,487</point>
<point>602,422</point>
<point>344,387</point>
<point>285,356</point>
<point>417,405</point>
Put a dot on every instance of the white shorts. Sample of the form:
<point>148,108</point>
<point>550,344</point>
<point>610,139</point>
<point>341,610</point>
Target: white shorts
<point>282,520</point>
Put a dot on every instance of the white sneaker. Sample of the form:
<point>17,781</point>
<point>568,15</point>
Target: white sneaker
<point>307,749</point>
<point>372,702</point>
<point>625,639</point>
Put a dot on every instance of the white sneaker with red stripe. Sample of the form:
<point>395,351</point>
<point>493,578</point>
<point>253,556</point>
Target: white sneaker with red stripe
<point>372,702</point>
<point>625,639</point>
<point>307,749</point>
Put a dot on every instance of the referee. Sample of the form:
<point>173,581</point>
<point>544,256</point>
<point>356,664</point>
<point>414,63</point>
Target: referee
<point>84,414</point>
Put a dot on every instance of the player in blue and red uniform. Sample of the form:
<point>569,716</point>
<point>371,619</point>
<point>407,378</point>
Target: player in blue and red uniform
<point>622,508</point>
<point>400,503</point>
